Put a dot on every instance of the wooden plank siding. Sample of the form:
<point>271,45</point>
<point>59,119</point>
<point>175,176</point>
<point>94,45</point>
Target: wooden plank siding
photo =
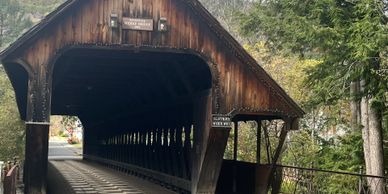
<point>86,22</point>
<point>126,85</point>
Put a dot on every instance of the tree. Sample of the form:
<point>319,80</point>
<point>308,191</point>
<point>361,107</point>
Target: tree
<point>350,38</point>
<point>12,130</point>
<point>12,21</point>
<point>11,127</point>
<point>224,11</point>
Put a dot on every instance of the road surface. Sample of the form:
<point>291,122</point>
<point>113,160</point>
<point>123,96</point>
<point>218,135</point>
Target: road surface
<point>69,174</point>
<point>60,149</point>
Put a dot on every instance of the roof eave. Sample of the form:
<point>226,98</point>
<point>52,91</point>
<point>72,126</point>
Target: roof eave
<point>245,55</point>
<point>214,24</point>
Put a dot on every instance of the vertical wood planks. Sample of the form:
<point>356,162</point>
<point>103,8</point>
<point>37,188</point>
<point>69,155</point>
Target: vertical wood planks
<point>88,23</point>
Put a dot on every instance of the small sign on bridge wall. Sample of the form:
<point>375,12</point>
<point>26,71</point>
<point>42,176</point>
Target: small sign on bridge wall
<point>221,121</point>
<point>138,24</point>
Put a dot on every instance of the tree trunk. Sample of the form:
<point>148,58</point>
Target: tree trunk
<point>372,142</point>
<point>365,127</point>
<point>1,29</point>
<point>355,105</point>
<point>376,150</point>
<point>277,180</point>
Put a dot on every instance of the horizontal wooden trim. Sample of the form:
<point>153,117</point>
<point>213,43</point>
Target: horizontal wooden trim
<point>37,123</point>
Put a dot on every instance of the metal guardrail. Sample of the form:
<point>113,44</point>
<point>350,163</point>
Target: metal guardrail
<point>10,180</point>
<point>291,179</point>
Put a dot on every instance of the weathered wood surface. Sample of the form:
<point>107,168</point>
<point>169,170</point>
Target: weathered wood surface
<point>213,160</point>
<point>36,154</point>
<point>74,63</point>
<point>10,180</point>
<point>244,87</point>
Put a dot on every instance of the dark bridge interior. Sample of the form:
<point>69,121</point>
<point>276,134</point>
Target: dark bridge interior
<point>99,83</point>
<point>138,108</point>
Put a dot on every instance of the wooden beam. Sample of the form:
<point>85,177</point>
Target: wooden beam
<point>265,174</point>
<point>235,154</point>
<point>282,138</point>
<point>258,142</point>
<point>267,144</point>
<point>202,125</point>
<point>36,157</point>
<point>37,129</point>
<point>211,167</point>
<point>235,142</point>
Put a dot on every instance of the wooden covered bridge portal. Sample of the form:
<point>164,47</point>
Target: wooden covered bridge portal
<point>154,83</point>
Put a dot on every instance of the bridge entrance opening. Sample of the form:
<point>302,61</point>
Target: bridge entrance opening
<point>106,83</point>
<point>141,111</point>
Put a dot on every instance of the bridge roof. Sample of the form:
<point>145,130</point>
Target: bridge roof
<point>15,49</point>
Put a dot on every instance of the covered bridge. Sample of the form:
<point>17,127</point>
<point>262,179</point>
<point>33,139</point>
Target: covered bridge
<point>156,84</point>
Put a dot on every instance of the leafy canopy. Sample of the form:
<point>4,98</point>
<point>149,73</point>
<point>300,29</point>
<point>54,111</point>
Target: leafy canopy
<point>349,37</point>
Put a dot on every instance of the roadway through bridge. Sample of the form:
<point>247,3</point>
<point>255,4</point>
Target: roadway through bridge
<point>68,174</point>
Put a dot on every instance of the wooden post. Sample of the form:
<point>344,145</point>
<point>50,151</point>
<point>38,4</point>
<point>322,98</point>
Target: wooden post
<point>36,157</point>
<point>37,129</point>
<point>261,171</point>
<point>258,142</point>
<point>10,180</point>
<point>235,153</point>
<point>202,124</point>
<point>187,150</point>
<point>264,174</point>
<point>211,167</point>
<point>235,143</point>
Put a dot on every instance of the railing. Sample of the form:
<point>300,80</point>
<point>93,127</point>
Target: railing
<point>10,180</point>
<point>290,179</point>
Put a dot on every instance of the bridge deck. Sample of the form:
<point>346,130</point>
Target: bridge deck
<point>85,177</point>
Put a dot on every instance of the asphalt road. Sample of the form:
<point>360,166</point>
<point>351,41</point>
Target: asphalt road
<point>60,149</point>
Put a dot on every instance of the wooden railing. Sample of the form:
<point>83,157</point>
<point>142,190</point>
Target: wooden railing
<point>176,183</point>
<point>10,180</point>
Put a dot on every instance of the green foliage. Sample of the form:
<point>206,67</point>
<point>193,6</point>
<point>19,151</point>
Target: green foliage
<point>15,18</point>
<point>246,142</point>
<point>12,129</point>
<point>224,11</point>
<point>13,21</point>
<point>339,153</point>
<point>288,71</point>
<point>299,146</point>
<point>69,121</point>
<point>349,37</point>
<point>42,7</point>
<point>343,154</point>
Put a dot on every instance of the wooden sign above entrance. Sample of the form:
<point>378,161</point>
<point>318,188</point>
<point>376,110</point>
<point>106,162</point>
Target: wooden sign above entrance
<point>138,24</point>
<point>221,121</point>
